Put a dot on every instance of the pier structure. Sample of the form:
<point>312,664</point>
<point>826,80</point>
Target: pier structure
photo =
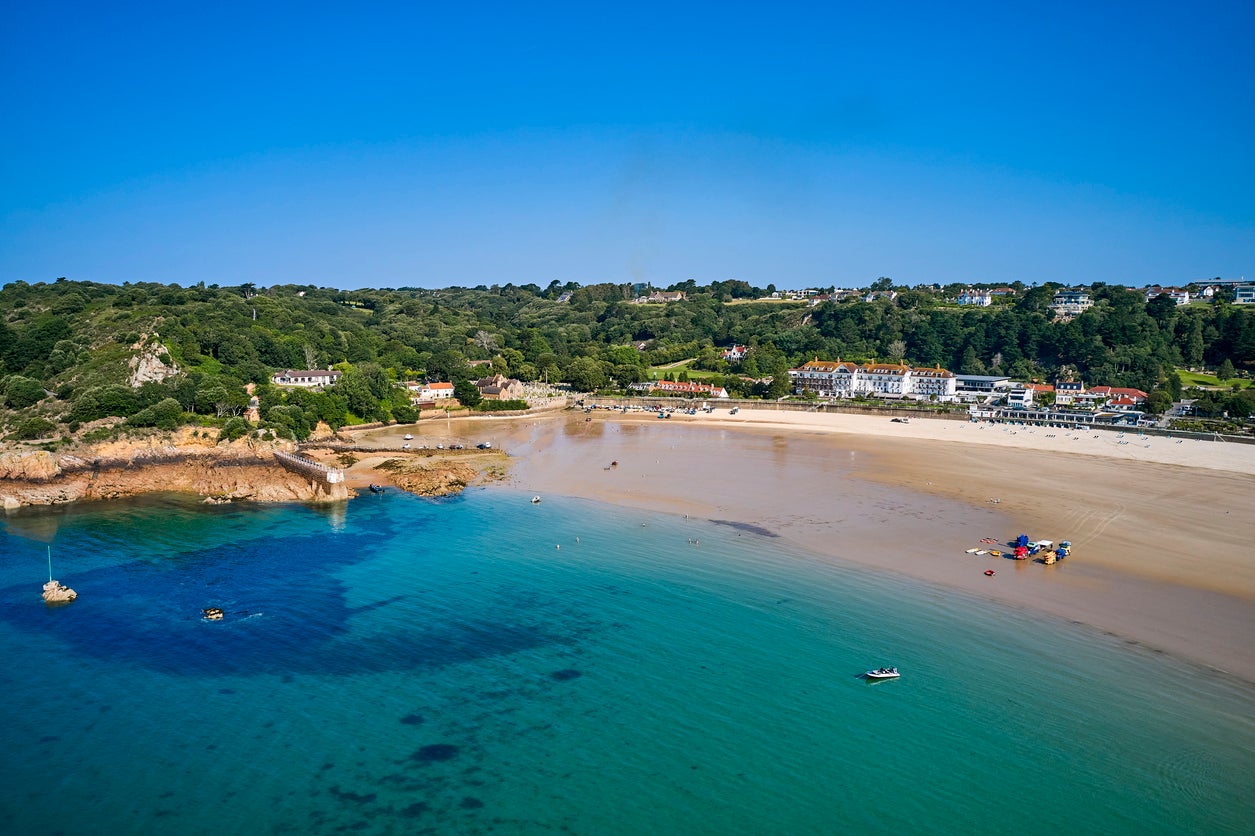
<point>316,472</point>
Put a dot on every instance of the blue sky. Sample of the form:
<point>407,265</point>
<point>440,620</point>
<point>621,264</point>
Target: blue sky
<point>420,144</point>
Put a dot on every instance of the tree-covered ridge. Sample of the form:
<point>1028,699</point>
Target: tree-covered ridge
<point>65,346</point>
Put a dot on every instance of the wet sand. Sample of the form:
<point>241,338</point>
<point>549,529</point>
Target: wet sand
<point>1161,534</point>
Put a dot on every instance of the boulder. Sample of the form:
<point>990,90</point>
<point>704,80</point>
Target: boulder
<point>56,592</point>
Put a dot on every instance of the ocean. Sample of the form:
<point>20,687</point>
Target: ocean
<point>485,665</point>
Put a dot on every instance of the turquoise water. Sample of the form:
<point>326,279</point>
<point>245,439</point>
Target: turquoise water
<point>404,666</point>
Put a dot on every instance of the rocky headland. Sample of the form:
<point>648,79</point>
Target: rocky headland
<point>194,461</point>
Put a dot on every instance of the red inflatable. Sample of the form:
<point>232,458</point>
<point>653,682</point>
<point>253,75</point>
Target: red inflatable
<point>989,572</point>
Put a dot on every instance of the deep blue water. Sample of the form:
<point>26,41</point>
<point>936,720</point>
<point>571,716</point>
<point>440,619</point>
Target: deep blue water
<point>401,666</point>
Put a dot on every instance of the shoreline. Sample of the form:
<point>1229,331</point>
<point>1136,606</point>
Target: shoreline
<point>911,504</point>
<point>1161,533</point>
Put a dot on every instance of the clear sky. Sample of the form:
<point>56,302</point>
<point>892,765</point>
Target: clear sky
<point>430,144</point>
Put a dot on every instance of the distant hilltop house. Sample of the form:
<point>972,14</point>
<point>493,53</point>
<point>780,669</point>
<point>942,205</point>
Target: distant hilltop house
<point>677,387</point>
<point>500,388</point>
<point>1002,291</point>
<point>976,297</point>
<point>1070,303</point>
<point>873,295</point>
<point>662,296</point>
<point>1244,294</point>
<point>430,392</point>
<point>1176,294</point>
<point>838,379</point>
<point>307,378</point>
<point>735,354</point>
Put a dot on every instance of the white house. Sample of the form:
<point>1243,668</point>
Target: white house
<point>1067,392</point>
<point>307,378</point>
<point>735,354</point>
<point>1071,302</point>
<point>1176,294</point>
<point>840,379</point>
<point>978,387</point>
<point>976,297</point>
<point>1244,294</point>
<point>433,391</point>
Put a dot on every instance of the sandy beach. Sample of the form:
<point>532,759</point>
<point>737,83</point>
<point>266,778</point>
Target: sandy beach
<point>1161,530</point>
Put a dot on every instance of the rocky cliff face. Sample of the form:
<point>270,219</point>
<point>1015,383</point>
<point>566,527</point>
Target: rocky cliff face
<point>152,362</point>
<point>170,462</point>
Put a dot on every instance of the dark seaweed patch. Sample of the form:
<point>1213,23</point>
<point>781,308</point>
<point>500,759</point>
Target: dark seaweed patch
<point>471,803</point>
<point>749,528</point>
<point>345,795</point>
<point>435,752</point>
<point>565,674</point>
<point>415,810</point>
<point>412,720</point>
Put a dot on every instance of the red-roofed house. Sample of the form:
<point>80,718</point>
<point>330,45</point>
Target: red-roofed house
<point>735,354</point>
<point>679,387</point>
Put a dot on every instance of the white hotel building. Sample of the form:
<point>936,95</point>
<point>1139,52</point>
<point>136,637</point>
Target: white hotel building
<point>839,379</point>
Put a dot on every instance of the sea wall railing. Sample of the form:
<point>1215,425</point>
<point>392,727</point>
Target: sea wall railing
<point>309,468</point>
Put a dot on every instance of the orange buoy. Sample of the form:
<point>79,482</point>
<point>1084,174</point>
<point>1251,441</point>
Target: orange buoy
<point>989,572</point>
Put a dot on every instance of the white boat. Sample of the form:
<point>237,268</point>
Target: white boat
<point>882,673</point>
<point>535,500</point>
<point>409,437</point>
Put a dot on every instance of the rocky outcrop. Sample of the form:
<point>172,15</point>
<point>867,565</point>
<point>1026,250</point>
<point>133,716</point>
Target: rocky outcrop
<point>441,479</point>
<point>174,462</point>
<point>152,363</point>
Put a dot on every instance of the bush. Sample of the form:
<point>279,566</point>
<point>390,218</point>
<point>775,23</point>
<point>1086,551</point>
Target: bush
<point>404,414</point>
<point>33,428</point>
<point>234,428</point>
<point>165,414</point>
<point>21,392</point>
<point>501,406</point>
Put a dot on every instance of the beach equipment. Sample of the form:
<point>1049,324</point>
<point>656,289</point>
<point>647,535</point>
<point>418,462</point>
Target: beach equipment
<point>989,573</point>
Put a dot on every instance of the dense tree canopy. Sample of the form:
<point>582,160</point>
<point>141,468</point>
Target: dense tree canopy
<point>76,339</point>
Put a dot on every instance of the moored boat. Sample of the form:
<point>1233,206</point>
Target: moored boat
<point>882,673</point>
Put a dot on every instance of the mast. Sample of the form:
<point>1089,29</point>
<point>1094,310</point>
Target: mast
<point>50,564</point>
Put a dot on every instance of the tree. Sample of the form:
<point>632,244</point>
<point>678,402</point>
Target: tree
<point>466,392</point>
<point>21,392</point>
<point>1226,370</point>
<point>587,374</point>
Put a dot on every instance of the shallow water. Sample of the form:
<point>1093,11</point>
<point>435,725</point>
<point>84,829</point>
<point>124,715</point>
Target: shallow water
<point>401,665</point>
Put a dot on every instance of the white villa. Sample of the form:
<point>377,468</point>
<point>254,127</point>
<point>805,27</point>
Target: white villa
<point>1071,302</point>
<point>1244,294</point>
<point>976,297</point>
<point>1176,294</point>
<point>307,378</point>
<point>839,379</point>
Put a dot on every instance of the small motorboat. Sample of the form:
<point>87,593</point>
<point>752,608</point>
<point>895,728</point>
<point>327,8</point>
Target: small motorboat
<point>535,500</point>
<point>882,673</point>
<point>213,613</point>
<point>409,436</point>
<point>376,488</point>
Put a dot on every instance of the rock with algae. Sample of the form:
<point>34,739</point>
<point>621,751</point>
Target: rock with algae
<point>56,592</point>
